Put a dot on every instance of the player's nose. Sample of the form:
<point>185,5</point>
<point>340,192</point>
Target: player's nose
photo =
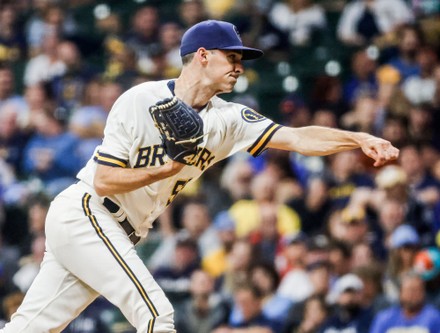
<point>239,69</point>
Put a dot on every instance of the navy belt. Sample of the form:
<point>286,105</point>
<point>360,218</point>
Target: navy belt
<point>113,208</point>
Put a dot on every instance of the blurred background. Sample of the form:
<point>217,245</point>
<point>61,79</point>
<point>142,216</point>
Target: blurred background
<point>280,243</point>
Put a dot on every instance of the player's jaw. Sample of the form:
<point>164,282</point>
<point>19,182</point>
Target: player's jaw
<point>227,65</point>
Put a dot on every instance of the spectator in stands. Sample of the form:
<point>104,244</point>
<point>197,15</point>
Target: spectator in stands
<point>430,156</point>
<point>169,37</point>
<point>299,18</point>
<point>205,309</point>
<point>344,176</point>
<point>324,117</point>
<point>339,257</point>
<point>252,20</point>
<point>412,313</point>
<point>215,261</point>
<point>392,185</point>
<point>266,238</point>
<point>191,12</point>
<point>314,206</point>
<point>421,88</point>
<point>373,296</point>
<point>239,261</point>
<point>68,88</point>
<point>327,94</point>
<point>88,121</point>
<point>388,79</point>
<point>391,215</point>
<point>10,305</point>
<point>356,224</point>
<point>362,79</point>
<point>427,266</point>
<point>222,9</point>
<point>335,228</point>
<point>196,224</point>
<point>278,164</point>
<point>120,59</point>
<point>363,115</point>
<point>292,253</point>
<point>362,254</point>
<point>143,37</point>
<point>174,278</point>
<point>51,154</point>
<point>249,301</point>
<point>47,17</point>
<point>8,267</point>
<point>403,245</point>
<point>30,265</point>
<point>320,273</point>
<point>345,297</point>
<point>425,188</point>
<point>395,129</point>
<point>410,39</point>
<point>37,207</point>
<point>274,306</point>
<point>364,20</point>
<point>420,124</point>
<point>7,89</point>
<point>248,213</point>
<point>312,273</point>
<point>235,180</point>
<point>37,99</point>
<point>310,318</point>
<point>12,42</point>
<point>12,142</point>
<point>45,65</point>
<point>93,319</point>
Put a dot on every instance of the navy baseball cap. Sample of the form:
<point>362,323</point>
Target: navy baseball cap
<point>213,34</point>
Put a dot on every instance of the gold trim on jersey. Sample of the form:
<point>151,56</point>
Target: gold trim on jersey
<point>260,144</point>
<point>109,160</point>
<point>120,260</point>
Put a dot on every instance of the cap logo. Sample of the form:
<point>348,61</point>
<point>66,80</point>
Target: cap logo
<point>237,33</point>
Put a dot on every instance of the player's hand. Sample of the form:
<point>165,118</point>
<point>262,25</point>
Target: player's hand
<point>380,150</point>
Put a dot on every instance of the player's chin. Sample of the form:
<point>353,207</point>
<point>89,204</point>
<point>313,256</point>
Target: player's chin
<point>229,86</point>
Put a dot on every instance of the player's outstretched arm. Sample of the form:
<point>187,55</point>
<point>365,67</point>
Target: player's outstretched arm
<point>320,141</point>
<point>112,180</point>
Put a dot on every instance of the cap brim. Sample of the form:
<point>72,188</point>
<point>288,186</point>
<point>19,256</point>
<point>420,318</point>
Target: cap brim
<point>248,53</point>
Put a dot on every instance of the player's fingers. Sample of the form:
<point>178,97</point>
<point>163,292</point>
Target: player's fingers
<point>393,153</point>
<point>385,153</point>
<point>371,153</point>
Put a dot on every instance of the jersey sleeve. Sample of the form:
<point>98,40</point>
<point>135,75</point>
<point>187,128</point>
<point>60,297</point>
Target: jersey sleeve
<point>115,148</point>
<point>249,130</point>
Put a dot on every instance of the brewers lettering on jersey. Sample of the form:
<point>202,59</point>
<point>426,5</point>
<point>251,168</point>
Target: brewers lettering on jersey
<point>92,226</point>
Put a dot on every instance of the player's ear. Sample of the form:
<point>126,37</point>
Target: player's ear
<point>202,55</point>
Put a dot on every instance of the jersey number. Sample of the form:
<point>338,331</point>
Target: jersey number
<point>179,186</point>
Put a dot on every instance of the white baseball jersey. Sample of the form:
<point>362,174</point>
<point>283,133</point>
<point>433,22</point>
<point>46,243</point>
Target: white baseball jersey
<point>105,261</point>
<point>131,140</point>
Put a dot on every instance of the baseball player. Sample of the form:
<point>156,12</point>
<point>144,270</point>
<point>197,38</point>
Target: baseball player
<point>137,172</point>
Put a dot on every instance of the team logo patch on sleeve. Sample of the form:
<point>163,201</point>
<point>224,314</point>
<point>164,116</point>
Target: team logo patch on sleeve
<point>251,116</point>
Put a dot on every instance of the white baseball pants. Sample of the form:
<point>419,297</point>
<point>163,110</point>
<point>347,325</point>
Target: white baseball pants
<point>89,254</point>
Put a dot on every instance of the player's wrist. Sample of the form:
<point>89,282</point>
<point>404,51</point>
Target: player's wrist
<point>361,138</point>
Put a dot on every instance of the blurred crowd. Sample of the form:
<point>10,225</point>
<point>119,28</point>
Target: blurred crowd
<point>281,243</point>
